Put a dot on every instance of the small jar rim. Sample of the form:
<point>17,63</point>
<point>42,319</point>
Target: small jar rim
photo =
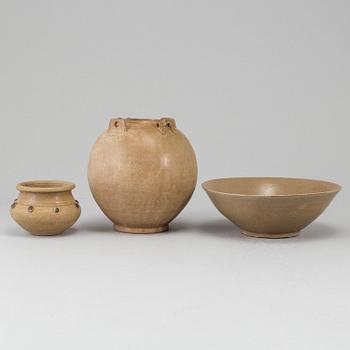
<point>45,186</point>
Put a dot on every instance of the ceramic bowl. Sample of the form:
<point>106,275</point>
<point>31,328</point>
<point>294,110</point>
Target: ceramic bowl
<point>270,207</point>
<point>45,207</point>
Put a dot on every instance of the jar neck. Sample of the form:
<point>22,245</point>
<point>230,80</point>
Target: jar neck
<point>45,198</point>
<point>125,124</point>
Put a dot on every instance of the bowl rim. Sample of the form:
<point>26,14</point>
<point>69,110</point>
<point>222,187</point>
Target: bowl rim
<point>338,187</point>
<point>45,186</point>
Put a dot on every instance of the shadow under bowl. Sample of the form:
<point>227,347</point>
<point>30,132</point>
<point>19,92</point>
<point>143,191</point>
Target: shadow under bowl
<point>270,207</point>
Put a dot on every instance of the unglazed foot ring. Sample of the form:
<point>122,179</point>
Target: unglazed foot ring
<point>141,230</point>
<point>270,235</point>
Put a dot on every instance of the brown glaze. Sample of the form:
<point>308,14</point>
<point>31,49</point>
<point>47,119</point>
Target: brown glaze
<point>45,207</point>
<point>270,207</point>
<point>142,173</point>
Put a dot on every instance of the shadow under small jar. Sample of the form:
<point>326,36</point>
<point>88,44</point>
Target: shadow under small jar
<point>45,207</point>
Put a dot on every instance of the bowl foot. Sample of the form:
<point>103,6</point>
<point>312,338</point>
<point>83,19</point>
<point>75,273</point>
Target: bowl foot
<point>141,230</point>
<point>270,235</point>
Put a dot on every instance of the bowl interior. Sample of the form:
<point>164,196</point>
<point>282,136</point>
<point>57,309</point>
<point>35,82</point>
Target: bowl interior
<point>269,186</point>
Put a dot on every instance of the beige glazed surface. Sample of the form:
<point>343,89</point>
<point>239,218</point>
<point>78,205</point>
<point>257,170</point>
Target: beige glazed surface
<point>45,207</point>
<point>271,207</point>
<point>142,173</point>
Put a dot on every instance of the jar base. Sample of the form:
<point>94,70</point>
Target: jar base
<point>45,234</point>
<point>140,229</point>
<point>270,235</point>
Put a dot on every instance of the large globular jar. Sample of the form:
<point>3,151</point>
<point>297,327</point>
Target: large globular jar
<point>142,173</point>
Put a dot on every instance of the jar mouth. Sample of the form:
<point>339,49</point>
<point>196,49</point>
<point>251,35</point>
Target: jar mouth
<point>142,120</point>
<point>45,186</point>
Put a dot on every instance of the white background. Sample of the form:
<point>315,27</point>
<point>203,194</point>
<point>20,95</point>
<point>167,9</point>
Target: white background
<point>261,88</point>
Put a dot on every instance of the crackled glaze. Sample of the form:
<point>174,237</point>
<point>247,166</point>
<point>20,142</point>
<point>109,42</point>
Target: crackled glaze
<point>142,173</point>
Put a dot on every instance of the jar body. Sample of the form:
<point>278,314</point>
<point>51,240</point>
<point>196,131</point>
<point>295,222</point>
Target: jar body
<point>142,173</point>
<point>45,213</point>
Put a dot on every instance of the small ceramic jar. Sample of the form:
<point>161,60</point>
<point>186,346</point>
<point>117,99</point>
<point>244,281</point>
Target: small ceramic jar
<point>45,207</point>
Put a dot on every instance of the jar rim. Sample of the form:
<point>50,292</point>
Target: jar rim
<point>141,120</point>
<point>45,186</point>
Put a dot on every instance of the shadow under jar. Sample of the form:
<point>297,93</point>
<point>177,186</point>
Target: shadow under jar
<point>45,207</point>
